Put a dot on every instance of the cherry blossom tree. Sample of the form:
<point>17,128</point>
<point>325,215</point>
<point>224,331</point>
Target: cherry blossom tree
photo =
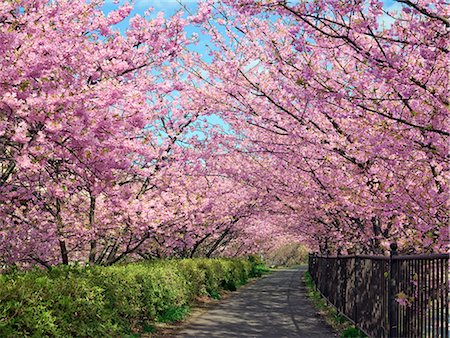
<point>334,130</point>
<point>88,119</point>
<point>344,113</point>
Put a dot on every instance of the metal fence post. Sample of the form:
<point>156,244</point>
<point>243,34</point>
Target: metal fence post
<point>309,263</point>
<point>356,288</point>
<point>392,307</point>
<point>370,291</point>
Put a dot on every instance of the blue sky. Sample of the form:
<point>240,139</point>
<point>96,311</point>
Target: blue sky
<point>170,7</point>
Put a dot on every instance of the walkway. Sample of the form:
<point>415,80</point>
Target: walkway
<point>275,306</point>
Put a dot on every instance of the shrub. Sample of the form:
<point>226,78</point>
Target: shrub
<point>65,303</point>
<point>83,301</point>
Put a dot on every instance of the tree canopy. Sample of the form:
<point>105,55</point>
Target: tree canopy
<point>333,129</point>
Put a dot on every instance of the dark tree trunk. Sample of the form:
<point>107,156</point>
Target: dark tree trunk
<point>93,250</point>
<point>64,253</point>
<point>197,245</point>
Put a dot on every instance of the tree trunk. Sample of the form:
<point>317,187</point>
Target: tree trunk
<point>197,245</point>
<point>93,250</point>
<point>217,243</point>
<point>64,253</point>
<point>62,243</point>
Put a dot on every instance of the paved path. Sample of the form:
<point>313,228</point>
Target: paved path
<point>275,306</point>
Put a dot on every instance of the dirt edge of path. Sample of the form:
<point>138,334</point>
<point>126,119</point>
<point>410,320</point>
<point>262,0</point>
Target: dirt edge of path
<point>200,306</point>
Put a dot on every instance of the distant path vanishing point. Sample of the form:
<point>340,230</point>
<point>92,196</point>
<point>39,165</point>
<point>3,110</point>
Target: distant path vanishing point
<point>273,307</point>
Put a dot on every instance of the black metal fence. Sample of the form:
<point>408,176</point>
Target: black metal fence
<point>397,296</point>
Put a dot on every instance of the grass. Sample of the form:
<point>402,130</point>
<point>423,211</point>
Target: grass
<point>174,314</point>
<point>338,322</point>
<point>214,294</point>
<point>260,269</point>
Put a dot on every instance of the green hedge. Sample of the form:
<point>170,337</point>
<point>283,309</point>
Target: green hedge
<point>114,301</point>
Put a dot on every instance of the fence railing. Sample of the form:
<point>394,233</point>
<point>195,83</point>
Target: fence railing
<point>396,296</point>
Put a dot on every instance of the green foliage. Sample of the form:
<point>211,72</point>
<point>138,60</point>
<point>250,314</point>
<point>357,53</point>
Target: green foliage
<point>352,332</point>
<point>209,276</point>
<point>215,295</point>
<point>116,301</point>
<point>174,314</point>
<point>259,270</point>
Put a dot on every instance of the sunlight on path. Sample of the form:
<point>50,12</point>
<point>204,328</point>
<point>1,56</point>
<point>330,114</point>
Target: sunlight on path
<point>275,306</point>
